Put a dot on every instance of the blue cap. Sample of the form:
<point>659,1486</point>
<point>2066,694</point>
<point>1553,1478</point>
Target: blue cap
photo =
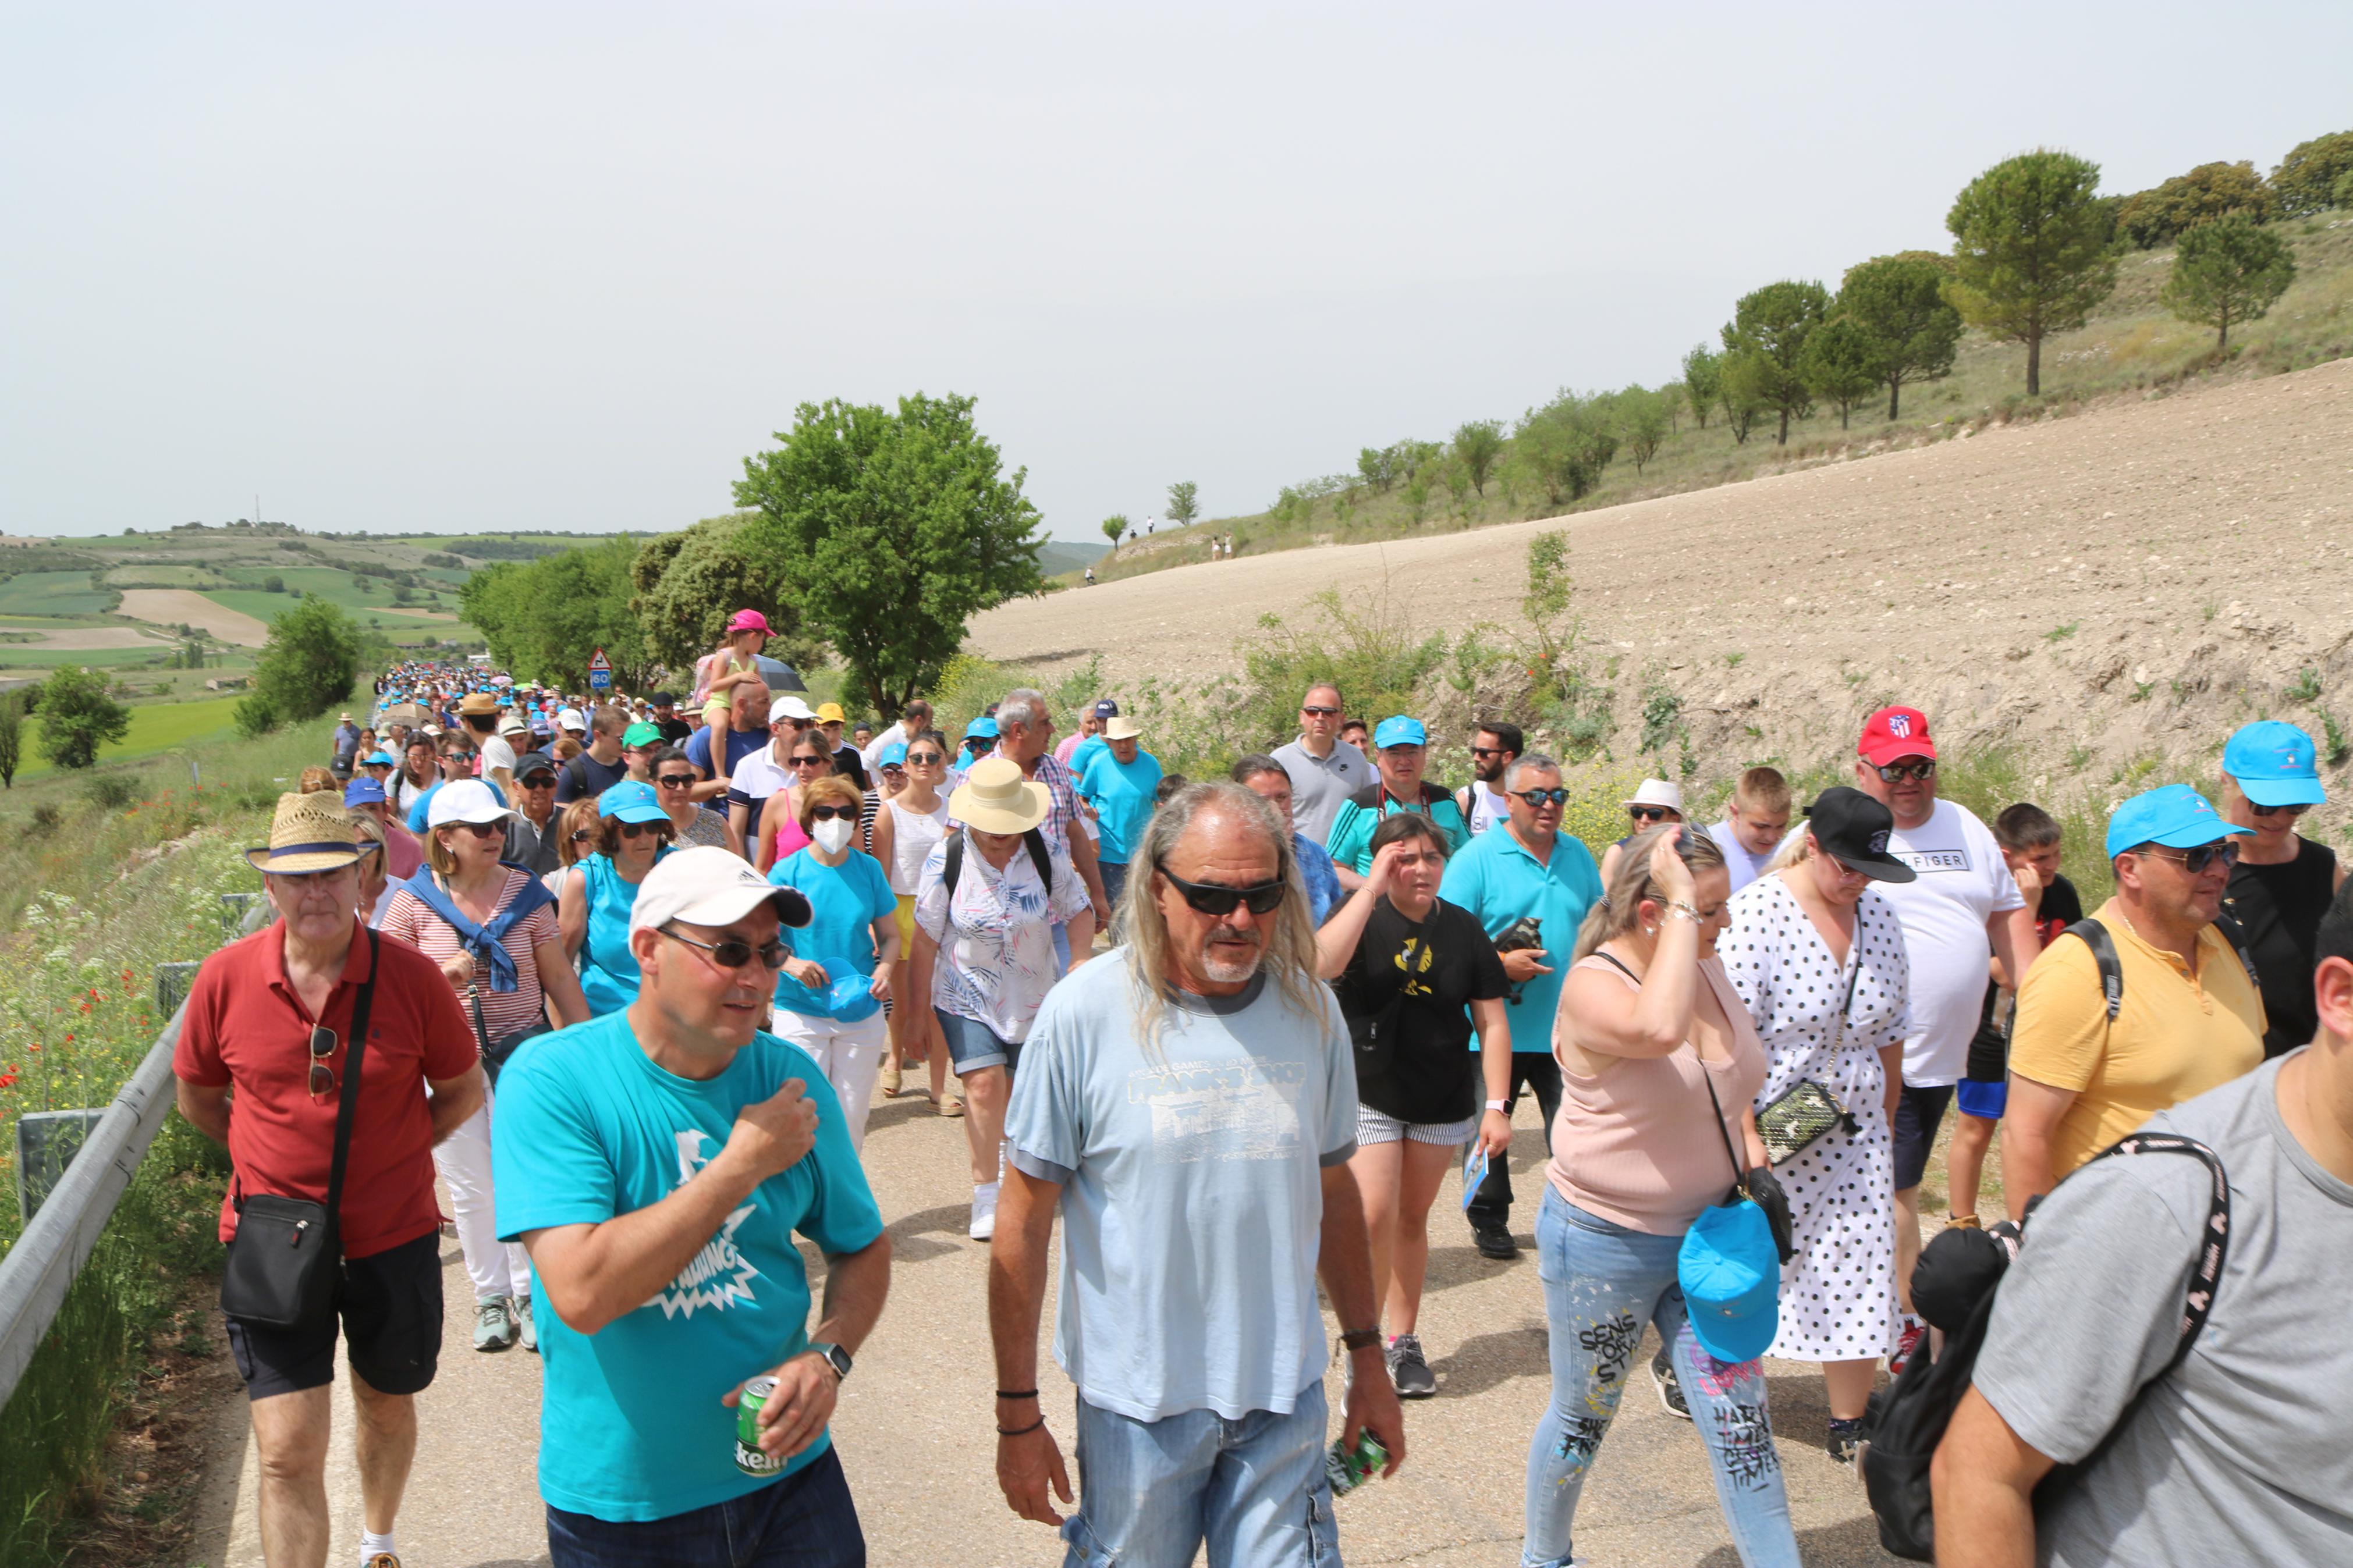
<point>2176,816</point>
<point>892,755</point>
<point>1106,708</point>
<point>982,728</point>
<point>848,995</point>
<point>1399,730</point>
<point>2275,765</point>
<point>630,801</point>
<point>1731,1275</point>
<point>379,759</point>
<point>359,792</point>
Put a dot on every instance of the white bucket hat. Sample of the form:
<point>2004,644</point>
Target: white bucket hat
<point>1660,792</point>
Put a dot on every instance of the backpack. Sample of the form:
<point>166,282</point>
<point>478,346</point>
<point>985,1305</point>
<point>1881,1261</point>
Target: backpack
<point>1034,841</point>
<point>2094,935</point>
<point>1895,1461</point>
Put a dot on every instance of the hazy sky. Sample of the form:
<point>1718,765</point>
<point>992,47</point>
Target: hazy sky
<point>417,267</point>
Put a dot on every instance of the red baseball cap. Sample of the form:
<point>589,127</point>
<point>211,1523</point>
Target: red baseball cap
<point>1893,732</point>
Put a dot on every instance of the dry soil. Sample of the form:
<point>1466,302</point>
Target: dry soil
<point>170,607</point>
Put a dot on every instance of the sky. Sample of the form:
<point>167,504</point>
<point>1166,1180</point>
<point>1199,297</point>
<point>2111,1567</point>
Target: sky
<point>424,268</point>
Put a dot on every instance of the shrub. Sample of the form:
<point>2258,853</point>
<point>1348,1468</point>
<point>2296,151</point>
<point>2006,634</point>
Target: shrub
<point>77,717</point>
<point>2153,218</point>
<point>111,792</point>
<point>2310,177</point>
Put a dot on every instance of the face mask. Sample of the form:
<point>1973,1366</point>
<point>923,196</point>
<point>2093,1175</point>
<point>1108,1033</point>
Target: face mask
<point>832,835</point>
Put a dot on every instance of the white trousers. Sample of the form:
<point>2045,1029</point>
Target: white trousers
<point>496,1267</point>
<point>851,1055</point>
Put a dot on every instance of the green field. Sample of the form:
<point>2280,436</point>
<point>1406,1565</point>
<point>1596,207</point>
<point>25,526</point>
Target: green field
<point>53,592</point>
<point>155,727</point>
<point>54,623</point>
<point>22,656</point>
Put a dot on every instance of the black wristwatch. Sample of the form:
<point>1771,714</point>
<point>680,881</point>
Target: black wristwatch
<point>835,1357</point>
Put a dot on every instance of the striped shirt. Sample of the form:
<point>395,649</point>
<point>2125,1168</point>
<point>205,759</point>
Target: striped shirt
<point>411,919</point>
<point>1062,800</point>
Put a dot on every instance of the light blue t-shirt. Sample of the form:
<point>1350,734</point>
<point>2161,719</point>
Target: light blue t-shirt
<point>848,899</point>
<point>1496,878</point>
<point>1121,793</point>
<point>588,1128</point>
<point>1192,1188</point>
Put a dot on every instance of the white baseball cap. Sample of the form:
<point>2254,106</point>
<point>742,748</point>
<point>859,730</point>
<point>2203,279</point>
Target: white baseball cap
<point>707,886</point>
<point>571,719</point>
<point>789,706</point>
<point>464,800</point>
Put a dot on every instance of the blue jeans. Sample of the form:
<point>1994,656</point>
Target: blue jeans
<point>1114,881</point>
<point>1602,1282</point>
<point>804,1520</point>
<point>1150,1493</point>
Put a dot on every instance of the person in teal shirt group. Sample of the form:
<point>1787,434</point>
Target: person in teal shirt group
<point>1524,869</point>
<point>656,1163</point>
<point>1401,749</point>
<point>1119,781</point>
<point>633,832</point>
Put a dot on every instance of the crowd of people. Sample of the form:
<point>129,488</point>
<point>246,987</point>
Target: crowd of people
<point>650,962</point>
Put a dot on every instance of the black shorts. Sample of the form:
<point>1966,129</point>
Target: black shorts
<point>1918,1114</point>
<point>390,1304</point>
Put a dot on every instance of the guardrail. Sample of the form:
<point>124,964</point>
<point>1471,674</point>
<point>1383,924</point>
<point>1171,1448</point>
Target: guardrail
<point>42,1266</point>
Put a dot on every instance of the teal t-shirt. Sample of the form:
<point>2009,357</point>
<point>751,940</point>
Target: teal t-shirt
<point>1350,842</point>
<point>847,899</point>
<point>1121,793</point>
<point>587,1129</point>
<point>608,970</point>
<point>1497,879</point>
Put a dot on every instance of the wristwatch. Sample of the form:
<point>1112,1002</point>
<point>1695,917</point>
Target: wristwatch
<point>835,1357</point>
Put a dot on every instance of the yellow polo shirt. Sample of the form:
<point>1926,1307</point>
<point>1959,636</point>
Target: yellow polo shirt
<point>2176,1036</point>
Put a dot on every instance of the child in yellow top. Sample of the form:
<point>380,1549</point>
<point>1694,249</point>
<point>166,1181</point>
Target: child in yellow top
<point>734,663</point>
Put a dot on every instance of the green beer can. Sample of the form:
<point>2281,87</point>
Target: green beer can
<point>749,1457</point>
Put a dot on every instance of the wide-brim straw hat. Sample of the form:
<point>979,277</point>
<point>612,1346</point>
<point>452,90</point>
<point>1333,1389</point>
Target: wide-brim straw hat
<point>995,798</point>
<point>310,833</point>
<point>1122,730</point>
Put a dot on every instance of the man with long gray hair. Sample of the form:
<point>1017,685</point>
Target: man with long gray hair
<point>1197,1085</point>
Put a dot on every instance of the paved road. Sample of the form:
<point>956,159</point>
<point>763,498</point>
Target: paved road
<point>914,1428</point>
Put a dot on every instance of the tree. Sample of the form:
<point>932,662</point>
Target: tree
<point>2227,270</point>
<point>2151,217</point>
<point>1479,445</point>
<point>1740,393</point>
<point>894,529</point>
<point>2033,251</point>
<point>545,619</point>
<point>306,666</point>
<point>1115,528</point>
<point>273,584</point>
<point>1771,326</point>
<point>685,586</point>
<point>1184,503</point>
<point>1377,465</point>
<point>1703,370</point>
<point>11,739</point>
<point>1644,417</point>
<point>2308,178</point>
<point>1566,443</point>
<point>1898,303</point>
<point>1838,365</point>
<point>77,717</point>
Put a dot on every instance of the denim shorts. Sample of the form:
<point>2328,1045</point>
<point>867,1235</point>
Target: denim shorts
<point>972,1047</point>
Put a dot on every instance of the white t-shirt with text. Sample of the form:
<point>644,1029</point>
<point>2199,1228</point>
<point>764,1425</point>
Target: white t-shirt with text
<point>1963,882</point>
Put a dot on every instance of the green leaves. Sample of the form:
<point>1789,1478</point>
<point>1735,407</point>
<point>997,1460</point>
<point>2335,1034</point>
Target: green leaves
<point>2032,252</point>
<point>1703,381</point>
<point>1898,303</point>
<point>2308,178</point>
<point>2227,270</point>
<point>1478,445</point>
<point>1839,364</point>
<point>1184,502</point>
<point>1768,330</point>
<point>1566,443</point>
<point>545,620</point>
<point>306,667</point>
<point>77,716</point>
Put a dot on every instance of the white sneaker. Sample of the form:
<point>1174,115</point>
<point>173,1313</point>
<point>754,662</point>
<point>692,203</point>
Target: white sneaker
<point>984,1212</point>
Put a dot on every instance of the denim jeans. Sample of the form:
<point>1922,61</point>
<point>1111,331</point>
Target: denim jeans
<point>1150,1493</point>
<point>1602,1282</point>
<point>805,1520</point>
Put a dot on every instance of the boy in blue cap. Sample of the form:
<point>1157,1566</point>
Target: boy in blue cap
<point>1402,747</point>
<point>2283,881</point>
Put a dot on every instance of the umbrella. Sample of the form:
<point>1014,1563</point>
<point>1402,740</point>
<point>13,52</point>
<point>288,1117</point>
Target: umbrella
<point>780,676</point>
<point>407,713</point>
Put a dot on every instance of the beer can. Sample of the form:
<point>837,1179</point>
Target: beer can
<point>1346,1471</point>
<point>750,1457</point>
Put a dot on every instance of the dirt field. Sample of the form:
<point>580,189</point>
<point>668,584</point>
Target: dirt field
<point>403,610</point>
<point>2126,584</point>
<point>81,637</point>
<point>170,607</point>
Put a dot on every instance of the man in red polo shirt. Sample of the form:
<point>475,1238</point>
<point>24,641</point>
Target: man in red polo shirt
<point>252,1076</point>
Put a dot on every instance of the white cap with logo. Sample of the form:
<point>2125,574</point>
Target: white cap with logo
<point>708,886</point>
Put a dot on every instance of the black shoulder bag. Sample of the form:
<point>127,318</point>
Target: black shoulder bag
<point>284,1259</point>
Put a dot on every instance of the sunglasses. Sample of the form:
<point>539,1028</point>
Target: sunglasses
<point>481,829</point>
<point>1639,813</point>
<point>2275,810</point>
<point>733,954</point>
<point>2195,861</point>
<point>1489,751</point>
<point>538,780</point>
<point>323,1046</point>
<point>1540,798</point>
<point>580,833</point>
<point>1211,899</point>
<point>636,830</point>
<point>923,759</point>
<point>676,781</point>
<point>827,813</point>
<point>810,762</point>
<point>1319,712</point>
<point>1896,772</point>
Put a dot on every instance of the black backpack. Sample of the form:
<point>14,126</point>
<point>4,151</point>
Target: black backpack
<point>1034,841</point>
<point>2094,935</point>
<point>1917,1407</point>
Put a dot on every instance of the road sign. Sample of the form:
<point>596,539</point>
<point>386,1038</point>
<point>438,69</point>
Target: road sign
<point>600,672</point>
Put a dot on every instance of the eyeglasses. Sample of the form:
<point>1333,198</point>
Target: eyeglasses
<point>538,780</point>
<point>1896,772</point>
<point>480,829</point>
<point>1312,711</point>
<point>636,830</point>
<point>1212,898</point>
<point>2274,810</point>
<point>735,954</point>
<point>323,1046</point>
<point>2196,860</point>
<point>810,762</point>
<point>1540,798</point>
<point>1489,751</point>
<point>676,781</point>
<point>923,759</point>
<point>827,813</point>
<point>1643,813</point>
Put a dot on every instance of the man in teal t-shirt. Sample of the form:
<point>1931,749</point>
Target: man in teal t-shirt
<point>656,1164</point>
<point>1119,780</point>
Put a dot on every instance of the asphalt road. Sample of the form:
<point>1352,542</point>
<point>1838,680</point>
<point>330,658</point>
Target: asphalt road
<point>915,1424</point>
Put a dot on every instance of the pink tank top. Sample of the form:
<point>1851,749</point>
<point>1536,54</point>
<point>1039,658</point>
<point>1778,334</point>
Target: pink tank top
<point>1631,1143</point>
<point>790,839</point>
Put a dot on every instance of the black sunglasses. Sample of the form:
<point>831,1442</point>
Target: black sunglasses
<point>735,954</point>
<point>2270,810</point>
<point>1896,772</point>
<point>323,1046</point>
<point>1489,751</point>
<point>676,781</point>
<point>922,759</point>
<point>480,829</point>
<point>2196,860</point>
<point>538,780</point>
<point>1213,898</point>
<point>580,833</point>
<point>1319,712</point>
<point>810,762</point>
<point>1540,798</point>
<point>634,831</point>
<point>827,813</point>
<point>1639,813</point>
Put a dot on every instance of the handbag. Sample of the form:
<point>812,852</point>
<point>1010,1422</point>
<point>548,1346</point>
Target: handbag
<point>1804,1113</point>
<point>287,1252</point>
<point>494,1053</point>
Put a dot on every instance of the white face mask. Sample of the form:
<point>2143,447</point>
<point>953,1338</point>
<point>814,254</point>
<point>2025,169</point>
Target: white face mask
<point>832,835</point>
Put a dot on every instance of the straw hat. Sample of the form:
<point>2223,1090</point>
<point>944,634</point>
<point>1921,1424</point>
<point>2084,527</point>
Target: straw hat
<point>1122,730</point>
<point>995,798</point>
<point>310,833</point>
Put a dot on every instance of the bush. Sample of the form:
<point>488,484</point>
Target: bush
<point>77,717</point>
<point>111,792</point>
<point>2154,217</point>
<point>2309,178</point>
<point>306,667</point>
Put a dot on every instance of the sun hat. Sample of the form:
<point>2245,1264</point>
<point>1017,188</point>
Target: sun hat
<point>1893,732</point>
<point>748,621</point>
<point>477,703</point>
<point>347,715</point>
<point>1731,1276</point>
<point>995,798</point>
<point>1106,708</point>
<point>641,734</point>
<point>981,729</point>
<point>630,801</point>
<point>830,713</point>
<point>2275,763</point>
<point>360,792</point>
<point>893,755</point>
<point>1658,792</point>
<point>1122,730</point>
<point>788,706</point>
<point>308,833</point>
<point>705,884</point>
<point>1399,730</point>
<point>2174,815</point>
<point>514,722</point>
<point>464,800</point>
<point>1853,828</point>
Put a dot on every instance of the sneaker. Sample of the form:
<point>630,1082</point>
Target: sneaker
<point>494,1329</point>
<point>984,1212</point>
<point>527,1330</point>
<point>1494,1240</point>
<point>1409,1368</point>
<point>1669,1386</point>
<point>1908,1340</point>
<point>1845,1437</point>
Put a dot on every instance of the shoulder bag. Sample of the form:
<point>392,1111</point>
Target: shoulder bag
<point>1802,1115</point>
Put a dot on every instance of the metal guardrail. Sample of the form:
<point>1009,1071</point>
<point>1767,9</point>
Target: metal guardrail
<point>41,1267</point>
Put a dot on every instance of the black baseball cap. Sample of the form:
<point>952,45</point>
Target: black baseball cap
<point>531,762</point>
<point>662,699</point>
<point>1852,826</point>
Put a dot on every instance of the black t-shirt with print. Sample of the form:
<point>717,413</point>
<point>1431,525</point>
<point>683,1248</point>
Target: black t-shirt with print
<point>1404,994</point>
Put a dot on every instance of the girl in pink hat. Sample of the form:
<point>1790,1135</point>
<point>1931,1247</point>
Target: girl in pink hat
<point>716,675</point>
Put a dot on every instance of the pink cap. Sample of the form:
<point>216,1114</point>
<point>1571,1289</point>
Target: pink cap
<point>749,621</point>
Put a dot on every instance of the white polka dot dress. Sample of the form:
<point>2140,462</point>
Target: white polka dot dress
<point>1837,1294</point>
